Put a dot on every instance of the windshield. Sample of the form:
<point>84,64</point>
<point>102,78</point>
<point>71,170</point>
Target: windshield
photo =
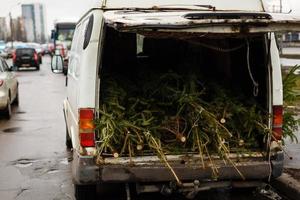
<point>20,52</point>
<point>65,34</point>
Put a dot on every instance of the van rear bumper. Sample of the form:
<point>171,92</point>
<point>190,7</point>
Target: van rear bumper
<point>85,171</point>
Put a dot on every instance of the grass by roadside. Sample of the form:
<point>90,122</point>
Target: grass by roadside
<point>295,89</point>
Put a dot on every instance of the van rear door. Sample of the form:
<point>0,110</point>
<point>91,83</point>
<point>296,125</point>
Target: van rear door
<point>203,21</point>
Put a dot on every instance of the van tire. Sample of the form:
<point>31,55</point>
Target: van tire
<point>68,140</point>
<point>85,192</point>
<point>111,190</point>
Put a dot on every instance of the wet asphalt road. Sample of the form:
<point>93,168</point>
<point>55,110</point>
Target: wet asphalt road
<point>34,163</point>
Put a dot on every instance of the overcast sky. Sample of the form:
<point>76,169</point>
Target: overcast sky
<point>55,9</point>
<point>73,9</point>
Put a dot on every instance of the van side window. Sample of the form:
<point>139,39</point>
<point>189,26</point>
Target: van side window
<point>88,32</point>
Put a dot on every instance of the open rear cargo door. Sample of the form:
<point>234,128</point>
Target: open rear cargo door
<point>203,21</point>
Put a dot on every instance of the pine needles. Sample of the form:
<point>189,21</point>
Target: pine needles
<point>290,119</point>
<point>175,114</point>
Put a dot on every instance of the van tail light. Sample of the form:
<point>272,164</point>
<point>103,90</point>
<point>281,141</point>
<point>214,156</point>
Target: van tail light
<point>86,127</point>
<point>35,55</point>
<point>277,122</point>
<point>14,56</point>
<point>1,82</point>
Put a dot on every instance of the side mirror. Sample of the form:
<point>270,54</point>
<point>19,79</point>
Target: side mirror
<point>57,64</point>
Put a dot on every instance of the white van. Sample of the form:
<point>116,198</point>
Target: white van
<point>232,41</point>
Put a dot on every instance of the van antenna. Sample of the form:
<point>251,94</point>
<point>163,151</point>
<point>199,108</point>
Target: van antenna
<point>263,5</point>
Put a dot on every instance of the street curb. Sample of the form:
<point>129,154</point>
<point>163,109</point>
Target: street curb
<point>288,186</point>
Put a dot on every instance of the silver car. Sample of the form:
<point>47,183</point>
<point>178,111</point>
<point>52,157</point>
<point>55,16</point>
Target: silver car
<point>9,92</point>
<point>3,54</point>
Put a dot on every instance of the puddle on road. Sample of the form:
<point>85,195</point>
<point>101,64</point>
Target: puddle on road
<point>21,120</point>
<point>52,171</point>
<point>23,163</point>
<point>12,130</point>
<point>65,161</point>
<point>20,112</point>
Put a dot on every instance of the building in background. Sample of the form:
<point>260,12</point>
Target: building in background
<point>34,22</point>
<point>4,29</point>
<point>291,37</point>
<point>18,29</point>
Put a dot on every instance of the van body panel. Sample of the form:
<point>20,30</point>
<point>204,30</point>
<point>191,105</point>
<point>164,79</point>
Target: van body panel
<point>89,69</point>
<point>122,170</point>
<point>204,21</point>
<point>87,90</point>
<point>276,73</point>
<point>81,77</point>
<point>71,103</point>
<point>250,5</point>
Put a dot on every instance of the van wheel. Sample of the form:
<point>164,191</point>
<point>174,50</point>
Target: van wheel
<point>68,139</point>
<point>111,190</point>
<point>7,111</point>
<point>85,192</point>
<point>223,194</point>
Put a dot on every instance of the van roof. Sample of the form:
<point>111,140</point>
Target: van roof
<point>244,5</point>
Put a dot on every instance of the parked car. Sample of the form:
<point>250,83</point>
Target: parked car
<point>51,48</point>
<point>9,51</point>
<point>26,57</point>
<point>230,43</point>
<point>39,50</point>
<point>12,46</point>
<point>46,49</point>
<point>9,91</point>
<point>3,54</point>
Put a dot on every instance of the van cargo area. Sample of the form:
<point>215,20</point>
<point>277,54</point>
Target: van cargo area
<point>234,63</point>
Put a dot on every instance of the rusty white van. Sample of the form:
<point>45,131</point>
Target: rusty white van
<point>233,40</point>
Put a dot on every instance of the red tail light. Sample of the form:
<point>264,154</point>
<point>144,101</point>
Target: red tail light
<point>86,127</point>
<point>1,82</point>
<point>277,122</point>
<point>36,57</point>
<point>14,56</point>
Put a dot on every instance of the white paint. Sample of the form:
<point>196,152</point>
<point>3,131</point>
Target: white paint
<point>276,73</point>
<point>250,5</point>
